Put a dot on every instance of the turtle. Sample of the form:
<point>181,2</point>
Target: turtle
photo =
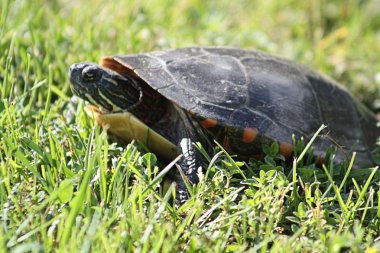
<point>171,99</point>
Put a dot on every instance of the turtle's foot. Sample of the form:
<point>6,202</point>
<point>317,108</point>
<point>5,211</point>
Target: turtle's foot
<point>182,193</point>
<point>191,161</point>
<point>189,164</point>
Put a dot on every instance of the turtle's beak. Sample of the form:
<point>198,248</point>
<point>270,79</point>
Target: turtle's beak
<point>74,78</point>
<point>71,71</point>
<point>75,74</point>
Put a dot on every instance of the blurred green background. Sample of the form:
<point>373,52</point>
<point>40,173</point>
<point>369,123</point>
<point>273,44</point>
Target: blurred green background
<point>340,38</point>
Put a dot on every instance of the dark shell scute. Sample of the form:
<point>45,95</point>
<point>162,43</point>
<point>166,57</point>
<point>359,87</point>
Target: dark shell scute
<point>338,109</point>
<point>238,54</point>
<point>154,74</point>
<point>175,55</point>
<point>221,84</point>
<point>271,94</point>
<point>139,61</point>
<point>220,113</point>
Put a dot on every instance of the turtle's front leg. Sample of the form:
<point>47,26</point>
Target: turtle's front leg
<point>190,163</point>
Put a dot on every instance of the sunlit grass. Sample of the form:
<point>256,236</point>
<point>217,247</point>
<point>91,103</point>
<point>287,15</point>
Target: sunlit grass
<point>65,186</point>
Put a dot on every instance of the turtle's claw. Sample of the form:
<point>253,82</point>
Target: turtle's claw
<point>191,161</point>
<point>188,167</point>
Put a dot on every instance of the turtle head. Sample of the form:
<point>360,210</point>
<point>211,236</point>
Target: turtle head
<point>103,87</point>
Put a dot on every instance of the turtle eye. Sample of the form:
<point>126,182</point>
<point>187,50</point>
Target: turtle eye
<point>91,73</point>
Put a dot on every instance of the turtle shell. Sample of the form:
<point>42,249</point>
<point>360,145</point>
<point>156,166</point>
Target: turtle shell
<point>257,94</point>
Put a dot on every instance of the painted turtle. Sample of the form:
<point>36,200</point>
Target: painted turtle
<point>238,97</point>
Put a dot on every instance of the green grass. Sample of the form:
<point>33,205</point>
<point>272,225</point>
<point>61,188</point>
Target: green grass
<point>65,187</point>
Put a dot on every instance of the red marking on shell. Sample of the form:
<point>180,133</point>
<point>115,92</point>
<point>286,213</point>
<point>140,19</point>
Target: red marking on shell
<point>249,134</point>
<point>207,123</point>
<point>286,149</point>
